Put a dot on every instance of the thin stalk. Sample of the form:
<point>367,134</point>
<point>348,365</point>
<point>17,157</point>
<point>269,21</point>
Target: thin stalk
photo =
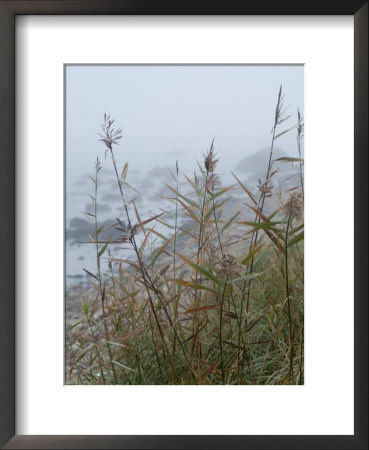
<point>300,134</point>
<point>175,253</point>
<point>175,225</point>
<point>200,243</point>
<point>240,338</point>
<point>279,118</point>
<point>198,257</point>
<point>221,330</point>
<point>288,299</point>
<point>102,293</point>
<point>216,223</point>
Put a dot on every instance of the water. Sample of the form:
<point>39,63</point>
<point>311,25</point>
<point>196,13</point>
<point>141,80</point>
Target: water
<point>150,197</point>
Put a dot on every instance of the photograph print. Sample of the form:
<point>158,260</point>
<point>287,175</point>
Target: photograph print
<point>184,224</point>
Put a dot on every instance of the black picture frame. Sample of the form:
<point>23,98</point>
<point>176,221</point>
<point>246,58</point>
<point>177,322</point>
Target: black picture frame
<point>8,12</point>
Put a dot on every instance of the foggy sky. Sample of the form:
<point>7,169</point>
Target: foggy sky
<point>171,113</point>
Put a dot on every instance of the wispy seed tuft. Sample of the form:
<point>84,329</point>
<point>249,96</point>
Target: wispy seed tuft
<point>110,136</point>
<point>230,268</point>
<point>294,206</point>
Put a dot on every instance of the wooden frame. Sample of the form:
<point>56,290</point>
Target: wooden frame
<point>8,12</point>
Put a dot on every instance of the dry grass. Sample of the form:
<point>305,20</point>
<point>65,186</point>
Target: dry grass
<point>220,301</point>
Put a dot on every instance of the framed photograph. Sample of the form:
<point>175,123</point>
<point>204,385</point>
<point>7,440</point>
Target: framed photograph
<point>184,224</point>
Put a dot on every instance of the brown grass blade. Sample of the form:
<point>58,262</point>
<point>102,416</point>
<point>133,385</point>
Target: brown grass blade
<point>91,274</point>
<point>245,189</point>
<point>201,308</point>
<point>271,234</point>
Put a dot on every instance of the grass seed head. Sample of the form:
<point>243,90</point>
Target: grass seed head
<point>294,207</point>
<point>110,135</point>
<point>230,268</point>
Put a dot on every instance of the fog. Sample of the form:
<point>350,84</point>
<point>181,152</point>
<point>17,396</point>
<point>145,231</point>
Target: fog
<point>168,114</point>
<point>173,112</point>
